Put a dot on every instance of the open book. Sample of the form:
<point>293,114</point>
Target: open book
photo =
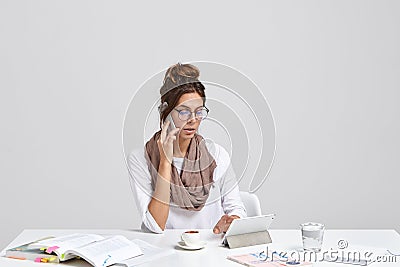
<point>95,249</point>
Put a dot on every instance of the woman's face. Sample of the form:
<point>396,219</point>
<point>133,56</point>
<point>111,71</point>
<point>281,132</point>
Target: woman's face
<point>191,102</point>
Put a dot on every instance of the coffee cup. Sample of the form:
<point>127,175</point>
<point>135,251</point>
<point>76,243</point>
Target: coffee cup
<point>191,238</point>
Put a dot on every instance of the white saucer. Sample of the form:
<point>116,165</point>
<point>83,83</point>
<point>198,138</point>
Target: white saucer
<point>201,245</point>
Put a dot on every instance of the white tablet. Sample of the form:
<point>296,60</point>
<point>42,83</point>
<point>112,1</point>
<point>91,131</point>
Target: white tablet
<point>249,225</point>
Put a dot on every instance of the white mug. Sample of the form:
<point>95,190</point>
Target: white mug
<point>191,238</point>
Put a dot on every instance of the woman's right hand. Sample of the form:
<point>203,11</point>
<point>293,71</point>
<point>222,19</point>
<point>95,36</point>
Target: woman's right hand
<point>166,143</point>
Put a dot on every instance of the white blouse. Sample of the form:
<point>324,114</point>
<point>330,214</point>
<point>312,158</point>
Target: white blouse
<point>224,196</point>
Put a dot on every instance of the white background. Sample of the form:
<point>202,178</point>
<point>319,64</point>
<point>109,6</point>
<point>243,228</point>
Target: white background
<point>68,69</point>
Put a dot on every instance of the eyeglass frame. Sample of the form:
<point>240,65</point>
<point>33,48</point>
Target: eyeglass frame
<point>194,112</point>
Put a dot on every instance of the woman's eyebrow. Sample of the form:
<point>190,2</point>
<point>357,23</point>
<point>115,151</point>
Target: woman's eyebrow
<point>189,107</point>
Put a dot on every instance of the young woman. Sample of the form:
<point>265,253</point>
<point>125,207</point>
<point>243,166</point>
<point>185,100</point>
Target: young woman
<point>179,180</point>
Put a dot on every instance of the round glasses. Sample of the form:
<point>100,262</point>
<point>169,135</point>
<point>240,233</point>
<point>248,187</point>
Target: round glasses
<point>186,114</point>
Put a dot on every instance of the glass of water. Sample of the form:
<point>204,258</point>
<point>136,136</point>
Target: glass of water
<point>312,234</point>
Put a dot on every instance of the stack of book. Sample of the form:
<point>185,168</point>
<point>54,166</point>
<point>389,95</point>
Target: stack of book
<point>95,249</point>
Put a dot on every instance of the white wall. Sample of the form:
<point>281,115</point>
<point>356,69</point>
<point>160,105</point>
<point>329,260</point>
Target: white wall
<point>329,69</point>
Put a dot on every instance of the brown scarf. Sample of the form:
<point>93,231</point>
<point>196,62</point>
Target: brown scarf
<point>190,188</point>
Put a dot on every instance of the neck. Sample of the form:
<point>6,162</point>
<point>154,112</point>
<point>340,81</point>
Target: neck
<point>181,148</point>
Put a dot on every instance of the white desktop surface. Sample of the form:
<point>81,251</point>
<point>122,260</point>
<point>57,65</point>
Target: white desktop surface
<point>214,254</point>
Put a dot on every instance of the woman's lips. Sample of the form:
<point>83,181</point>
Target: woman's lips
<point>189,130</point>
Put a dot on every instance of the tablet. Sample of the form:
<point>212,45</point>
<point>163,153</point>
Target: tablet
<point>249,225</point>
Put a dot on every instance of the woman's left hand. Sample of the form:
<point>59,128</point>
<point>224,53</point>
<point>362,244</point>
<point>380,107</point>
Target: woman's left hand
<point>224,223</point>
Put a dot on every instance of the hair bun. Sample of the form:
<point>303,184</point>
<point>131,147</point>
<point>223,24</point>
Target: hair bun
<point>181,73</point>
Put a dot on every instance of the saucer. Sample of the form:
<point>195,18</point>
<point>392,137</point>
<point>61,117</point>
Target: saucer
<point>201,245</point>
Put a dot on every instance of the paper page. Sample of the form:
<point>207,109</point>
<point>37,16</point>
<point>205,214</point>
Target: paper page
<point>68,242</point>
<point>108,251</point>
<point>150,253</point>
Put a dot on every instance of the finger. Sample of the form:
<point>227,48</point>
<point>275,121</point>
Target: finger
<point>225,227</point>
<point>165,124</point>
<point>216,229</point>
<point>227,224</point>
<point>231,218</point>
<point>173,132</point>
<point>228,221</point>
<point>176,130</point>
<point>170,139</point>
<point>219,226</point>
<point>164,130</point>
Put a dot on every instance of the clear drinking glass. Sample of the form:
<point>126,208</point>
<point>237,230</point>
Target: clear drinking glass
<point>312,234</point>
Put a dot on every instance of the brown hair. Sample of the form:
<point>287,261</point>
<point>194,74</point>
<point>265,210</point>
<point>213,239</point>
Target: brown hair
<point>179,79</point>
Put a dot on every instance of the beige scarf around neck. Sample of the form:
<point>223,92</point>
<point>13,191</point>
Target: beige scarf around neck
<point>189,189</point>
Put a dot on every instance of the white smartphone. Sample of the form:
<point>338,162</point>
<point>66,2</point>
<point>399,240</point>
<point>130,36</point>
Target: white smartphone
<point>171,123</point>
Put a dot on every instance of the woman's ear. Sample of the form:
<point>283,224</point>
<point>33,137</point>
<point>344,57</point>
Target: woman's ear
<point>162,107</point>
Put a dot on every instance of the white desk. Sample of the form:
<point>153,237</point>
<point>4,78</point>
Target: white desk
<point>214,254</point>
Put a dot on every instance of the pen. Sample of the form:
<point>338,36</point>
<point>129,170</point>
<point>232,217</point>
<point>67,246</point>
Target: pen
<point>17,258</point>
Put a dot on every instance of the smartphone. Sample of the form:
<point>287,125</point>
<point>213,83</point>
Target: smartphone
<point>171,123</point>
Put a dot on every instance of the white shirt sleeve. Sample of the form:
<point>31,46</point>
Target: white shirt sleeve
<point>141,187</point>
<point>229,189</point>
